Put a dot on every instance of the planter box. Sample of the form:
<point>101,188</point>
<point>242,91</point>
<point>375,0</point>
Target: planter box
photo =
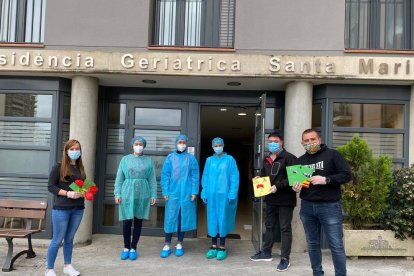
<point>376,243</point>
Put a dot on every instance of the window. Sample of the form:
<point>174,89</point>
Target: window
<point>25,120</point>
<point>22,21</point>
<point>379,24</point>
<point>368,115</point>
<point>158,116</point>
<point>381,125</point>
<point>193,23</point>
<point>25,144</point>
<point>273,118</point>
<point>160,127</point>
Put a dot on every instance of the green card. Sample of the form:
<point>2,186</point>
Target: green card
<point>298,174</point>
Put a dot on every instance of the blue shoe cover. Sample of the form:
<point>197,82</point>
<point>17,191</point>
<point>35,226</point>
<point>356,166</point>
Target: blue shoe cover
<point>165,253</point>
<point>133,255</point>
<point>179,252</point>
<point>124,255</point>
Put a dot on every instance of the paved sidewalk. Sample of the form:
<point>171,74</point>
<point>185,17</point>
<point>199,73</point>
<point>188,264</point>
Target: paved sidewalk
<point>102,258</point>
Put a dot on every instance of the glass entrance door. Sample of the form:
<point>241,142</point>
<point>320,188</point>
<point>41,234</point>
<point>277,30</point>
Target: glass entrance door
<point>160,124</point>
<point>259,143</point>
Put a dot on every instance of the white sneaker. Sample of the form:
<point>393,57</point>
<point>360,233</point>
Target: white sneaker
<point>50,272</point>
<point>70,270</point>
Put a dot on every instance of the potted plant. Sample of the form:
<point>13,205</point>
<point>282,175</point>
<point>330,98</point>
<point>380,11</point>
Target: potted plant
<point>364,198</point>
<point>365,201</point>
<point>399,216</point>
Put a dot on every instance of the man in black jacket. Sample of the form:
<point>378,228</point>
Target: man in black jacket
<point>279,203</point>
<point>320,206</point>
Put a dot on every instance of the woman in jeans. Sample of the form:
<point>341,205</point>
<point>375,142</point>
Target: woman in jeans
<point>68,206</point>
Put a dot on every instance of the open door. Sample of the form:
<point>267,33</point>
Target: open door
<point>259,143</point>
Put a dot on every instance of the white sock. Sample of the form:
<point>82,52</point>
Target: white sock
<point>166,247</point>
<point>132,250</point>
<point>126,249</point>
<point>179,246</point>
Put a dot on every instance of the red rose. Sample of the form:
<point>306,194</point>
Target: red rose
<point>93,189</point>
<point>80,183</point>
<point>89,196</point>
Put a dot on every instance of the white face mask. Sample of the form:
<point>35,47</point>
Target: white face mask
<point>138,149</point>
<point>181,147</point>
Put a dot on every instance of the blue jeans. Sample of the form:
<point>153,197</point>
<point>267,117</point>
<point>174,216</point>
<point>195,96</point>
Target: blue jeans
<point>180,235</point>
<point>65,223</point>
<point>327,216</point>
<point>215,239</point>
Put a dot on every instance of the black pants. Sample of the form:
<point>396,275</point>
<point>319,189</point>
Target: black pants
<point>215,239</point>
<point>284,214</point>
<point>136,233</point>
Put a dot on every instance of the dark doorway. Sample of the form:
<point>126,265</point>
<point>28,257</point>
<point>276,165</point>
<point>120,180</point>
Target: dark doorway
<point>235,124</point>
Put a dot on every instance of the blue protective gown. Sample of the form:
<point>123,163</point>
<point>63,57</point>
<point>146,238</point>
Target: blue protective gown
<point>180,179</point>
<point>220,184</point>
<point>136,185</point>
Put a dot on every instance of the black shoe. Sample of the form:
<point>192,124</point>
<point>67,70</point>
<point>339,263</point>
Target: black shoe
<point>261,257</point>
<point>283,265</point>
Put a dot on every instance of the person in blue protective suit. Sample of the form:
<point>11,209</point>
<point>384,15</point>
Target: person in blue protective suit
<point>135,190</point>
<point>180,180</point>
<point>220,184</point>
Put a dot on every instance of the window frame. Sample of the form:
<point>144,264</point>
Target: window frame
<point>209,33</point>
<point>328,94</point>
<point>373,27</point>
<point>22,15</point>
<point>30,119</point>
<point>404,131</point>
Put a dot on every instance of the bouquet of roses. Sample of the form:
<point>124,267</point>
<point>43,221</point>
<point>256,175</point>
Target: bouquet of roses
<point>87,188</point>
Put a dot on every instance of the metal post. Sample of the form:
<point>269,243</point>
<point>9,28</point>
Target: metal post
<point>262,153</point>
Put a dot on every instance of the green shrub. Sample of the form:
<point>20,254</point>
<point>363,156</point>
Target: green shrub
<point>399,216</point>
<point>364,198</point>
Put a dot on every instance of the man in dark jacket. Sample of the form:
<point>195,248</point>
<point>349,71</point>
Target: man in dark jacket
<point>279,203</point>
<point>320,206</point>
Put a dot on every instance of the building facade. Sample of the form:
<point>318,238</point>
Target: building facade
<point>105,71</point>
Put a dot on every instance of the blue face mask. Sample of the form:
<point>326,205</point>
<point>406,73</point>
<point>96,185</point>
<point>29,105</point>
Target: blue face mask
<point>218,150</point>
<point>74,154</point>
<point>274,147</point>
